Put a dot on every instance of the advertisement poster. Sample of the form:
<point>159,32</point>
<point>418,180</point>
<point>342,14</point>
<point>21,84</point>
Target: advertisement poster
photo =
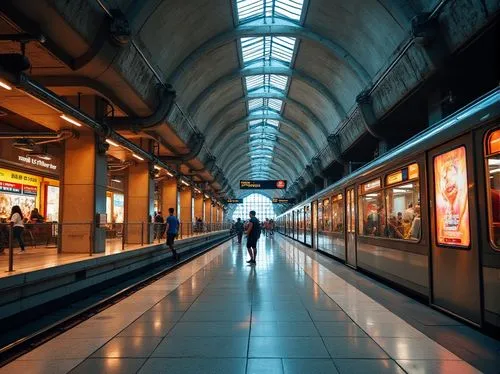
<point>118,207</point>
<point>452,207</point>
<point>17,189</point>
<point>52,214</point>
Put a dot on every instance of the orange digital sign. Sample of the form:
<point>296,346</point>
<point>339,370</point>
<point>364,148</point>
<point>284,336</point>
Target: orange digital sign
<point>452,206</point>
<point>370,186</point>
<point>494,142</point>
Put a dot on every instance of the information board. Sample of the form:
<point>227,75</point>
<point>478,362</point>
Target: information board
<point>283,201</point>
<point>263,184</point>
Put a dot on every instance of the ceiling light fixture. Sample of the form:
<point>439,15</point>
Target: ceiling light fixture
<point>157,167</point>
<point>109,141</point>
<point>116,180</point>
<point>71,120</point>
<point>5,85</point>
<point>184,182</point>
<point>170,174</point>
<point>137,157</point>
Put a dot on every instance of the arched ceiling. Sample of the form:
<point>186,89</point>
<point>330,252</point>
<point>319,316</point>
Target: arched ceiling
<point>267,81</point>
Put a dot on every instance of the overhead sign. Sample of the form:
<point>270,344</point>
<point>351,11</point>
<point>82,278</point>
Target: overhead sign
<point>263,184</point>
<point>234,201</point>
<point>283,201</point>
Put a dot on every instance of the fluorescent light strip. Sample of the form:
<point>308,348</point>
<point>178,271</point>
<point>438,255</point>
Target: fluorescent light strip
<point>116,180</point>
<point>184,182</point>
<point>157,167</point>
<point>109,141</point>
<point>137,157</point>
<point>5,85</point>
<point>71,120</point>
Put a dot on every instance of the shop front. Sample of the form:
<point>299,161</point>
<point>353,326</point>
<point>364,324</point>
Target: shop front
<point>30,182</point>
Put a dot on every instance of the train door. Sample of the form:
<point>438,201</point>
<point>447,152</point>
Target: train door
<point>292,234</point>
<point>454,260</point>
<point>350,236</point>
<point>314,224</point>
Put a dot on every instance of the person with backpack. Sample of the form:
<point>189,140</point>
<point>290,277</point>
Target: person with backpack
<point>172,231</point>
<point>253,235</point>
<point>238,228</point>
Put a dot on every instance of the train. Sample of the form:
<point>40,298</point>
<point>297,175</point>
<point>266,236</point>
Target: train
<point>425,216</point>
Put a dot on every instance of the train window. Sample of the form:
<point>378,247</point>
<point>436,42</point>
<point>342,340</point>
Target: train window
<point>327,215</point>
<point>403,210</point>
<point>320,216</point>
<point>493,173</point>
<point>337,213</point>
<point>371,214</point>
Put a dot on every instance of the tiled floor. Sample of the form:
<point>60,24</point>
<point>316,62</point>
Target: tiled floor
<point>288,314</point>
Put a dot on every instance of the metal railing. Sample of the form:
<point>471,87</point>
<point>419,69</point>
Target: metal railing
<point>81,237</point>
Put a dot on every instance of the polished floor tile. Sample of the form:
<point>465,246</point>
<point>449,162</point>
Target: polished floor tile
<point>414,348</point>
<point>281,316</point>
<point>194,366</point>
<point>217,315</point>
<point>128,346</point>
<point>328,315</point>
<point>353,347</point>
<point>289,347</point>
<point>356,366</point>
<point>310,366</point>
<point>109,366</point>
<point>264,366</point>
<point>341,328</point>
<point>437,367</point>
<point>181,346</point>
<point>283,329</point>
<point>149,328</point>
<point>42,366</point>
<point>237,329</point>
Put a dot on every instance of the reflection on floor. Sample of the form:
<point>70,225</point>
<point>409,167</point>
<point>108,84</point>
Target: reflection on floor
<point>43,257</point>
<point>217,314</point>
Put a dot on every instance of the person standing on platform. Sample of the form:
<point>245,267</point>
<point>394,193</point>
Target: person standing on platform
<point>172,230</point>
<point>238,227</point>
<point>253,235</point>
<point>16,220</point>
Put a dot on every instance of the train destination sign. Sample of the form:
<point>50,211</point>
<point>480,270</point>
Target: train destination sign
<point>283,201</point>
<point>263,184</point>
<point>234,201</point>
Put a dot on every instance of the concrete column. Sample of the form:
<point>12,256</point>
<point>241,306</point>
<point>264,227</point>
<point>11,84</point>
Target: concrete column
<point>83,194</point>
<point>207,217</point>
<point>83,186</point>
<point>139,203</point>
<point>199,206</point>
<point>185,215</point>
<point>169,196</point>
<point>213,213</point>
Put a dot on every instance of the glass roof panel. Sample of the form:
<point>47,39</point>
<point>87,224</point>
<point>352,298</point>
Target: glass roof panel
<point>251,9</point>
<point>267,49</point>
<point>266,82</point>
<point>264,105</point>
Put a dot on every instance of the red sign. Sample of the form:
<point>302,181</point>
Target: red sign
<point>280,184</point>
<point>10,187</point>
<point>29,190</point>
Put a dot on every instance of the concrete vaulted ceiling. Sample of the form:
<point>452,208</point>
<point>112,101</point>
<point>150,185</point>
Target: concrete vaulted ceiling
<point>266,81</point>
<point>337,47</point>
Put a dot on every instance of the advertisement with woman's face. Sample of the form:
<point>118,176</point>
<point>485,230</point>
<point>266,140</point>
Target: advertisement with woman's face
<point>452,207</point>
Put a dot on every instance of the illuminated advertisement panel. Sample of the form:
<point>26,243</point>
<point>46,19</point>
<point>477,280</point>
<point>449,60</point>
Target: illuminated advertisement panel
<point>452,207</point>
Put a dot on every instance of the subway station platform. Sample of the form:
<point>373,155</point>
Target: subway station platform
<point>295,311</point>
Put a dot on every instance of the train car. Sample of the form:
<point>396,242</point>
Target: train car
<point>425,215</point>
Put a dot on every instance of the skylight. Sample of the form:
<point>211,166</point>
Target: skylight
<point>266,82</point>
<point>267,49</point>
<point>251,9</point>
<point>265,104</point>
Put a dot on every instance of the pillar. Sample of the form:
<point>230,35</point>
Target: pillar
<point>207,213</point>
<point>169,196</point>
<point>139,203</point>
<point>199,206</point>
<point>83,186</point>
<point>213,214</point>
<point>185,215</point>
<point>83,190</point>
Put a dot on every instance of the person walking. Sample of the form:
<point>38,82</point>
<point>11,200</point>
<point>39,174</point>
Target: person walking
<point>16,220</point>
<point>238,227</point>
<point>172,230</point>
<point>159,228</point>
<point>253,234</point>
